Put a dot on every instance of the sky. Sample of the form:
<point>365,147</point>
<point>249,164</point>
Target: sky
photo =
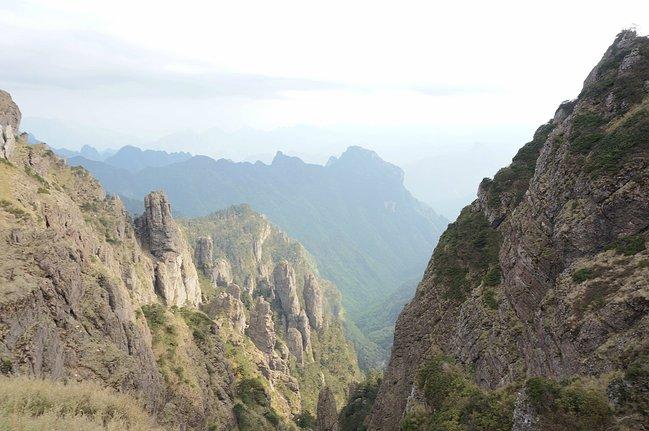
<point>414,80</point>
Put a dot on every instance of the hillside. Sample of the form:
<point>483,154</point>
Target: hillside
<point>87,294</point>
<point>533,312</point>
<point>364,228</point>
<point>366,231</point>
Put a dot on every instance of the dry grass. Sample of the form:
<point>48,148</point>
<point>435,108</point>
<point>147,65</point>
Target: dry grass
<point>31,405</point>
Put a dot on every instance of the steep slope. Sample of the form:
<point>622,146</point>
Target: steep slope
<point>364,228</point>
<point>89,295</point>
<point>265,281</point>
<point>533,311</point>
<point>73,281</point>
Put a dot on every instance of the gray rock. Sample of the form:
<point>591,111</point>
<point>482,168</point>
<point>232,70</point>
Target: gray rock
<point>9,112</point>
<point>261,329</point>
<point>204,254</point>
<point>327,412</point>
<point>295,344</point>
<point>222,272</point>
<point>286,289</point>
<point>176,280</point>
<point>313,301</point>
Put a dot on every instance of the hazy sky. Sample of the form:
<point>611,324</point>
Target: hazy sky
<point>460,71</point>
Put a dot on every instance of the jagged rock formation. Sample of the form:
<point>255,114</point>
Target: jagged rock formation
<point>286,289</point>
<point>313,301</point>
<point>386,237</point>
<point>9,125</point>
<point>78,301</point>
<point>546,273</point>
<point>203,254</point>
<point>294,334</point>
<point>9,112</point>
<point>176,280</point>
<point>222,272</point>
<point>261,329</point>
<point>327,419</point>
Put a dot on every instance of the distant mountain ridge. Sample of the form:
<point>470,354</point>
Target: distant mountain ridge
<point>368,233</point>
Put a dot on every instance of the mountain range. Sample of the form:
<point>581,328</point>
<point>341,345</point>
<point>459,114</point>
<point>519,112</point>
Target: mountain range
<point>367,232</point>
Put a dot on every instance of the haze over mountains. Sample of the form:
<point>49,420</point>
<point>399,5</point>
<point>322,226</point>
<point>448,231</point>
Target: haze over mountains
<point>440,167</point>
<point>367,232</point>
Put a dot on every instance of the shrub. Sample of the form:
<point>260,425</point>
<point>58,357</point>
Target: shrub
<point>582,275</point>
<point>569,405</point>
<point>489,298</point>
<point>628,245</point>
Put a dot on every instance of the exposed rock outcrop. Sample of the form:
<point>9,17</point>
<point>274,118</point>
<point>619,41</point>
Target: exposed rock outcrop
<point>228,304</point>
<point>9,112</point>
<point>327,417</point>
<point>176,280</point>
<point>261,329</point>
<point>7,142</point>
<point>77,298</point>
<point>313,302</point>
<point>286,289</point>
<point>222,272</point>
<point>204,254</point>
<point>545,274</point>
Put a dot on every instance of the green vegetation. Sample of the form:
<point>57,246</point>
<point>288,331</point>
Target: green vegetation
<point>489,298</point>
<point>305,420</point>
<point>569,405</point>
<point>454,402</point>
<point>629,245</point>
<point>352,415</point>
<point>198,322</point>
<point>32,173</point>
<point>627,86</point>
<point>515,178</point>
<point>464,255</point>
<point>582,275</point>
<point>27,404</point>
<point>255,412</point>
<point>493,277</point>
<point>18,213</point>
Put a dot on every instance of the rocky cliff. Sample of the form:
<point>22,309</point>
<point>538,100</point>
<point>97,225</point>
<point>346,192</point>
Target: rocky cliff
<point>89,295</point>
<point>533,311</point>
<point>293,338</point>
<point>77,292</point>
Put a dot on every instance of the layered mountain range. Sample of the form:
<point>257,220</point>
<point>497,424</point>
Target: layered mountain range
<point>367,232</point>
<point>533,312</point>
<point>219,323</point>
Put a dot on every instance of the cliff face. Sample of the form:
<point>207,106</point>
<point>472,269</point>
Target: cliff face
<point>293,332</point>
<point>175,276</point>
<point>81,299</point>
<point>546,273</point>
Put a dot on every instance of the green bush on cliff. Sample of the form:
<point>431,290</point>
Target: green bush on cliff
<point>465,252</point>
<point>569,405</point>
<point>628,245</point>
<point>455,402</point>
<point>352,415</point>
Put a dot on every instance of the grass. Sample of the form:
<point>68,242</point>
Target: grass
<point>18,213</point>
<point>30,404</point>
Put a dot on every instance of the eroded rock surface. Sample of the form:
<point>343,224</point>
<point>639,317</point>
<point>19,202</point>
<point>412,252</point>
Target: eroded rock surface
<point>546,272</point>
<point>176,280</point>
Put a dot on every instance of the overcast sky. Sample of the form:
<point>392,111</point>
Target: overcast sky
<point>462,72</point>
